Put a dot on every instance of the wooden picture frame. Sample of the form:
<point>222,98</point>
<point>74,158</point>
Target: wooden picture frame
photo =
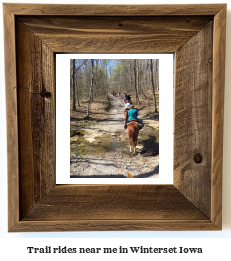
<point>33,34</point>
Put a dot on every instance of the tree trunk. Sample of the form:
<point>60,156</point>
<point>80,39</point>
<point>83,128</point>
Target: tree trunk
<point>89,101</point>
<point>96,78</point>
<point>138,76</point>
<point>130,71</point>
<point>136,82</point>
<point>153,87</point>
<point>157,74</point>
<point>106,81</point>
<point>77,93</point>
<point>147,73</point>
<point>73,86</point>
<point>76,82</point>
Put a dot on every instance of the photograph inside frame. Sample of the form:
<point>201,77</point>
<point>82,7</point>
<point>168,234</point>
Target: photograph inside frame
<point>114,118</point>
<point>119,125</point>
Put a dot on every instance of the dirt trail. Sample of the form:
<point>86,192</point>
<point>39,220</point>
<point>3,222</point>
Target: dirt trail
<point>113,124</point>
<point>106,149</point>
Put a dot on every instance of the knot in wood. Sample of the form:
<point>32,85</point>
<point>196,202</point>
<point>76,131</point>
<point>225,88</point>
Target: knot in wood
<point>45,94</point>
<point>198,158</point>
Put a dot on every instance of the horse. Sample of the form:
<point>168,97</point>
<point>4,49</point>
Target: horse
<point>126,116</point>
<point>133,132</point>
<point>114,94</point>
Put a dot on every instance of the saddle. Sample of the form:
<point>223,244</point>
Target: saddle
<point>141,125</point>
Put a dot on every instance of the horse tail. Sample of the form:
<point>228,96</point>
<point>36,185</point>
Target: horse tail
<point>133,131</point>
<point>133,136</point>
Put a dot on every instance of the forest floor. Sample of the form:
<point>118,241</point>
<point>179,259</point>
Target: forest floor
<point>100,147</point>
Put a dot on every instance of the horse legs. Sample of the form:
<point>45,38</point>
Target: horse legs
<point>130,139</point>
<point>132,144</point>
<point>133,132</point>
<point>132,149</point>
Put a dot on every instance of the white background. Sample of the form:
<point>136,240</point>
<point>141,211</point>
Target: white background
<point>216,245</point>
<point>63,120</point>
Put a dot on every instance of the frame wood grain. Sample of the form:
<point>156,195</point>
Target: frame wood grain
<point>33,34</point>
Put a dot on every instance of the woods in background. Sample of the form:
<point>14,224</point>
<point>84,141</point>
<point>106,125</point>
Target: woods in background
<point>94,78</point>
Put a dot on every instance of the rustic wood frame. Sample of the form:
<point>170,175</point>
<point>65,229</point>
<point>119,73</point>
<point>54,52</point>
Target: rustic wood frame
<point>33,34</point>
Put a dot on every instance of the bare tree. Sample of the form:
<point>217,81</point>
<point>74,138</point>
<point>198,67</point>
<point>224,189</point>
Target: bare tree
<point>89,101</point>
<point>157,74</point>
<point>106,83</point>
<point>136,81</point>
<point>135,76</point>
<point>96,77</point>
<point>74,83</point>
<point>73,86</point>
<point>130,64</point>
<point>153,87</point>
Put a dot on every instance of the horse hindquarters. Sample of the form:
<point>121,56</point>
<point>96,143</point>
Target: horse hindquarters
<point>133,132</point>
<point>134,136</point>
<point>130,135</point>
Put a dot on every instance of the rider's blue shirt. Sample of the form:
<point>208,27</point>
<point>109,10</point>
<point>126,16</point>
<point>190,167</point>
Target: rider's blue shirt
<point>132,114</point>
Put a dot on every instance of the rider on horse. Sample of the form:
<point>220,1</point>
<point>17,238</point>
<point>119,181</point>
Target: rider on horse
<point>129,98</point>
<point>125,97</point>
<point>132,115</point>
<point>127,105</point>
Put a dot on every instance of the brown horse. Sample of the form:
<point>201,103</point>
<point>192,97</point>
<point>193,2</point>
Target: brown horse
<point>126,116</point>
<point>133,132</point>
